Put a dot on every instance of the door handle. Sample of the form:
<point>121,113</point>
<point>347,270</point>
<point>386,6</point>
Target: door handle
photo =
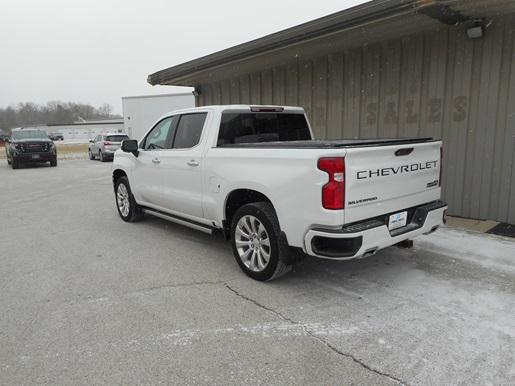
<point>156,160</point>
<point>192,163</point>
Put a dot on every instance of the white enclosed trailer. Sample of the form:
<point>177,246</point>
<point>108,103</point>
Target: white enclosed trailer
<point>141,112</point>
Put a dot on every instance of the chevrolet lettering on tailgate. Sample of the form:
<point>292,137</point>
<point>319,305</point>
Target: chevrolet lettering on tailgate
<point>362,174</point>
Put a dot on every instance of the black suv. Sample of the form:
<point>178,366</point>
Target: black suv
<point>30,145</point>
<point>56,136</point>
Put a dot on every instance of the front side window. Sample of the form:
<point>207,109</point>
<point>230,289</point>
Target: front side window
<point>159,136</point>
<point>189,130</point>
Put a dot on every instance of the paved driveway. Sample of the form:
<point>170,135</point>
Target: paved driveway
<point>86,298</point>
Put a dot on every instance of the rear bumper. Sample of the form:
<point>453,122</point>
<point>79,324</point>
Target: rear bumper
<point>367,237</point>
<point>109,153</point>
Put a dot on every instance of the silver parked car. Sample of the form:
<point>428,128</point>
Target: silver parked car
<point>104,146</point>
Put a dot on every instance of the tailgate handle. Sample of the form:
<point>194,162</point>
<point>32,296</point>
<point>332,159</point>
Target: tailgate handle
<point>404,151</point>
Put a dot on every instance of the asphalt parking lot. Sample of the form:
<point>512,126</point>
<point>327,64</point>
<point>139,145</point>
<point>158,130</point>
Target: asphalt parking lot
<point>86,298</point>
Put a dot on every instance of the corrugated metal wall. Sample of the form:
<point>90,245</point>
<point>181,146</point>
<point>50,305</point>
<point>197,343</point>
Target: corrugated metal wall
<point>438,84</point>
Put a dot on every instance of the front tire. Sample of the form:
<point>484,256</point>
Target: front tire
<point>15,164</point>
<point>255,242</point>
<point>53,163</point>
<point>90,155</point>
<point>127,207</point>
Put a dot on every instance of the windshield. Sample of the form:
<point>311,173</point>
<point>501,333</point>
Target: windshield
<point>29,134</point>
<point>116,138</point>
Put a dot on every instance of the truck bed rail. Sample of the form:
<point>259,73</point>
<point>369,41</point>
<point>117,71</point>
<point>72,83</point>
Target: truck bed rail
<point>329,144</point>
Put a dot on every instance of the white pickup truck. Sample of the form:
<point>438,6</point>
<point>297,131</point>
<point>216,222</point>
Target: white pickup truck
<point>256,174</point>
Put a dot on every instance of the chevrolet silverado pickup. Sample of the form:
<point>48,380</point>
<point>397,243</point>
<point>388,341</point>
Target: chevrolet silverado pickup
<point>257,174</point>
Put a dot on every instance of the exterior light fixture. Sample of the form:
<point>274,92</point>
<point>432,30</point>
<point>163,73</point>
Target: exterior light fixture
<point>477,30</point>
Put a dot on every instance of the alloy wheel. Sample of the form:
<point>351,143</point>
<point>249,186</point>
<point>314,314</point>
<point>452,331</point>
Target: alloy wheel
<point>122,198</point>
<point>252,243</point>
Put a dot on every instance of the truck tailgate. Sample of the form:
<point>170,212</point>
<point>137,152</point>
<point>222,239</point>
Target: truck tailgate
<point>386,179</point>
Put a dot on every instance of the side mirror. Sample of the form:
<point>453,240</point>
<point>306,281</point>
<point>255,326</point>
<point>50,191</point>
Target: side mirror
<point>91,141</point>
<point>130,146</point>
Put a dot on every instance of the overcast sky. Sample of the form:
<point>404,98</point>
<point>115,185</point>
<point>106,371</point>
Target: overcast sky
<point>98,51</point>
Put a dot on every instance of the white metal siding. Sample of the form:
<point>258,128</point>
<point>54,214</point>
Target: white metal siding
<point>140,113</point>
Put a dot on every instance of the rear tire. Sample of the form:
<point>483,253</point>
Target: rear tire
<point>101,156</point>
<point>255,242</point>
<point>8,161</point>
<point>127,207</point>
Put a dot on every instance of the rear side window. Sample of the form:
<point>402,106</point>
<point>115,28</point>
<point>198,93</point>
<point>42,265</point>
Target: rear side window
<point>189,130</point>
<point>242,127</point>
<point>116,138</point>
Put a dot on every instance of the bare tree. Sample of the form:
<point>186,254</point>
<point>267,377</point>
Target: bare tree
<point>105,110</point>
<point>53,112</point>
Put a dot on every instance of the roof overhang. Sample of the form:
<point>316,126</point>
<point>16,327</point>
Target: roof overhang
<point>364,24</point>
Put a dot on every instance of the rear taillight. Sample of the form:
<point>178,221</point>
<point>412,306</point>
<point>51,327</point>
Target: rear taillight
<point>441,162</point>
<point>333,193</point>
<point>108,143</point>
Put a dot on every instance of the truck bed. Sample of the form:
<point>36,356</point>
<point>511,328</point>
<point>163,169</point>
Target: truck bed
<point>329,144</point>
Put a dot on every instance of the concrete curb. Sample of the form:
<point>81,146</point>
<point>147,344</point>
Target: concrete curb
<point>482,226</point>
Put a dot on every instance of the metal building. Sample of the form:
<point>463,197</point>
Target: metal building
<point>82,130</point>
<point>391,68</point>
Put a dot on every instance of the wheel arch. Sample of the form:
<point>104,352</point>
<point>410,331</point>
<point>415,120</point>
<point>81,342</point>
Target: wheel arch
<point>236,199</point>
<point>118,173</point>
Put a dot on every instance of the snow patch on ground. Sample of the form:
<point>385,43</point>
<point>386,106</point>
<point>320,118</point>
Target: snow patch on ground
<point>68,156</point>
<point>266,330</point>
<point>490,251</point>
